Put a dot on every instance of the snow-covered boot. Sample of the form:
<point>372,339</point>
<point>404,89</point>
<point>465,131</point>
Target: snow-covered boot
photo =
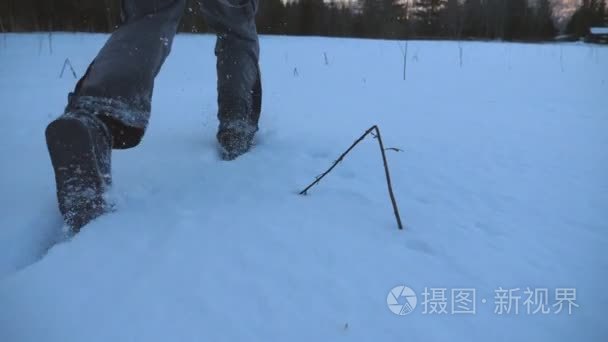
<point>80,149</point>
<point>235,139</point>
<point>238,114</point>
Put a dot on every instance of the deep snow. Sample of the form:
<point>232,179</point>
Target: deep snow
<point>502,184</point>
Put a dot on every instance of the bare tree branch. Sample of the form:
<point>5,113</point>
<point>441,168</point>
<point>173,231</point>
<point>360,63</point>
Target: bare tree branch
<point>375,132</point>
<point>404,53</point>
<point>68,63</point>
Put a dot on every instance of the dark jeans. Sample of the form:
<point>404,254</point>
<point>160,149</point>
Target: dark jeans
<point>118,84</point>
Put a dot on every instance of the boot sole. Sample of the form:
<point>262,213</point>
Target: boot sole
<point>80,184</point>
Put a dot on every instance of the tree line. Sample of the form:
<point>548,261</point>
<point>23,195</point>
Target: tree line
<point>591,13</point>
<point>393,19</point>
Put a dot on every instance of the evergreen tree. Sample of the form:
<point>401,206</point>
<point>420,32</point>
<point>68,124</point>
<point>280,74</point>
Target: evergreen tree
<point>517,20</point>
<point>545,27</point>
<point>313,20</point>
<point>496,15</point>
<point>426,14</point>
<point>272,17</point>
<point>602,13</point>
<point>452,18</point>
<point>590,13</point>
<point>473,19</point>
<point>382,18</point>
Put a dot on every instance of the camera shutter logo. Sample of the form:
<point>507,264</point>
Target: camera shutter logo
<point>401,300</point>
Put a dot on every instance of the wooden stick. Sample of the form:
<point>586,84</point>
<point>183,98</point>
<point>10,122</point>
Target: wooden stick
<point>386,170</point>
<point>388,179</point>
<point>68,63</point>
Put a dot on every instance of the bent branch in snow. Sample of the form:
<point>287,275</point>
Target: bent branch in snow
<point>67,63</point>
<point>376,135</point>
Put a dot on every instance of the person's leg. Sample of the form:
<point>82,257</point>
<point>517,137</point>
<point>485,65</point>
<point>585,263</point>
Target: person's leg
<point>110,107</point>
<point>120,80</point>
<point>238,74</point>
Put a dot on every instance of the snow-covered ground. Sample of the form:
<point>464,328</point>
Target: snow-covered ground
<point>502,185</point>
